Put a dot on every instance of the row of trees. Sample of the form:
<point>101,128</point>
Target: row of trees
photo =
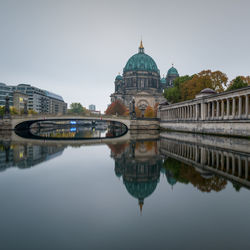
<point>14,111</point>
<point>186,87</point>
<point>78,109</point>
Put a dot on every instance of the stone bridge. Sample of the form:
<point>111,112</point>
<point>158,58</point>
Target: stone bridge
<point>131,124</point>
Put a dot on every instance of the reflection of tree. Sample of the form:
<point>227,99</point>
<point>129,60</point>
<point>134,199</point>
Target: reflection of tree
<point>237,186</point>
<point>187,174</point>
<point>117,149</point>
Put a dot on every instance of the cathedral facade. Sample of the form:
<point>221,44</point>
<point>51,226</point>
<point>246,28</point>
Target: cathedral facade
<point>141,81</point>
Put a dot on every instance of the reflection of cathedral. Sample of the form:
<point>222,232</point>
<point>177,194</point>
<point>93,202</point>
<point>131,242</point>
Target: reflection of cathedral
<point>139,164</point>
<point>141,81</point>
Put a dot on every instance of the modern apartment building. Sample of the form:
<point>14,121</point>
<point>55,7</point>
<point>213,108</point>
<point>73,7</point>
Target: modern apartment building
<point>41,101</point>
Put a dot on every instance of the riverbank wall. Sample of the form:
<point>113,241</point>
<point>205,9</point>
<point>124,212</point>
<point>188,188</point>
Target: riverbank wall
<point>239,128</point>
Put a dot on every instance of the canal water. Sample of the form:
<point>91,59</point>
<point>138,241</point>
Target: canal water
<point>138,191</point>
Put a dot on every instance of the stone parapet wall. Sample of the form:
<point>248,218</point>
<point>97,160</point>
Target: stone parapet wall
<point>232,128</point>
<point>144,125</point>
<point>5,124</point>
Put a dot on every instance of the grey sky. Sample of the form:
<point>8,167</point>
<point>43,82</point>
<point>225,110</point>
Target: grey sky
<point>76,48</point>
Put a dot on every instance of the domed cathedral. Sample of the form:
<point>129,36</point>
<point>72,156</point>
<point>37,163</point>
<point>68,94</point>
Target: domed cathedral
<point>140,80</point>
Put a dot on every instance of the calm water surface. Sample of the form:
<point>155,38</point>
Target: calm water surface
<point>173,191</point>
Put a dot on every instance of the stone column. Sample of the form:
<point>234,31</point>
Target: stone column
<point>240,106</point>
<point>233,111</point>
<point>228,108</point>
<point>208,110</point>
<point>203,111</point>
<point>222,161</point>
<point>239,166</point>
<point>222,109</point>
<point>247,105</point>
<point>196,111</point>
<point>217,109</point>
<point>212,110</point>
<point>246,169</point>
<point>233,164</point>
<point>227,157</point>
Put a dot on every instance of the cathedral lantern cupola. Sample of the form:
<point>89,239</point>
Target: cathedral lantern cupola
<point>141,48</point>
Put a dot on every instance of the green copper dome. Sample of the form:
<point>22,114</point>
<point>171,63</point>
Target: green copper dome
<point>118,77</point>
<point>140,190</point>
<point>173,71</point>
<point>141,62</point>
<point>163,80</point>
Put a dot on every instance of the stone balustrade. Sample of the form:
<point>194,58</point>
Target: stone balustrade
<point>230,105</point>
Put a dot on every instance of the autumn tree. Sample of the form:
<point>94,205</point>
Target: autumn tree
<point>116,108</point>
<point>138,112</point>
<point>156,109</point>
<point>239,82</point>
<point>149,112</point>
<point>205,79</point>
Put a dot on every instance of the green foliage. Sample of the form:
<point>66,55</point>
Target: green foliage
<point>32,112</point>
<point>174,94</point>
<point>77,108</point>
<point>237,186</point>
<point>174,167</point>
<point>13,111</point>
<point>237,83</point>
<point>1,110</point>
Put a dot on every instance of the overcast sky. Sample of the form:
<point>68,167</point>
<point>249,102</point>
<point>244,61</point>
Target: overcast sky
<point>75,48</point>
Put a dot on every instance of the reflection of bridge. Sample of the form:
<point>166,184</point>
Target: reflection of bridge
<point>231,164</point>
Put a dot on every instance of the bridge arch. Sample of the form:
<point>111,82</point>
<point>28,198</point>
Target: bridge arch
<point>22,126</point>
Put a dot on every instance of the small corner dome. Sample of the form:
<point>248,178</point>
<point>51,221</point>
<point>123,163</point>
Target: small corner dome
<point>208,91</point>
<point>173,72</point>
<point>163,80</point>
<point>118,77</point>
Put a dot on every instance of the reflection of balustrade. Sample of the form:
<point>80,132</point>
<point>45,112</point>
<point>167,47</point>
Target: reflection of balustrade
<point>230,164</point>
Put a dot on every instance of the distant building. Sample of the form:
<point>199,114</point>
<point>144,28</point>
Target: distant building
<point>39,100</point>
<point>42,101</point>
<point>19,100</point>
<point>5,91</point>
<point>92,107</point>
